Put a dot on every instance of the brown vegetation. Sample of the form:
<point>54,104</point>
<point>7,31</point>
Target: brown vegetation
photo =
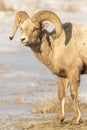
<point>50,106</point>
<point>3,7</point>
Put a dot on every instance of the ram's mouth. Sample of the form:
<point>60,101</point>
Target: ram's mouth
<point>24,43</point>
<point>27,43</point>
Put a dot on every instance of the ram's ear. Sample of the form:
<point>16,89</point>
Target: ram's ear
<point>44,26</point>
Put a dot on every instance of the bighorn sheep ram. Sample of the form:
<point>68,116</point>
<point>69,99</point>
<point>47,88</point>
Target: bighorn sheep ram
<point>63,51</point>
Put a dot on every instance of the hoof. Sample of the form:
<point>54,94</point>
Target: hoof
<point>59,120</point>
<point>75,121</point>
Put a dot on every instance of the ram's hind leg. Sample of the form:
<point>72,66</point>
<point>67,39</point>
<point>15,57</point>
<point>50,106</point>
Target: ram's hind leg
<point>74,81</point>
<point>62,85</point>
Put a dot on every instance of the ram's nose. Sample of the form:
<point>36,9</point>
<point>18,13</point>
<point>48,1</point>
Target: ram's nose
<point>23,39</point>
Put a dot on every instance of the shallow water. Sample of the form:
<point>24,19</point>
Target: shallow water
<point>23,83</point>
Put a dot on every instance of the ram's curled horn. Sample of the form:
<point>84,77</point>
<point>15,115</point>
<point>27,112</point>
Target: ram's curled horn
<point>19,18</point>
<point>49,16</point>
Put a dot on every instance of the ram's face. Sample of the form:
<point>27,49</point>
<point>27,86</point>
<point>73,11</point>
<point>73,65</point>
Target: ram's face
<point>30,32</point>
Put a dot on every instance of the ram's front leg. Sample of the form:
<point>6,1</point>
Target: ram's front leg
<point>74,81</point>
<point>62,85</point>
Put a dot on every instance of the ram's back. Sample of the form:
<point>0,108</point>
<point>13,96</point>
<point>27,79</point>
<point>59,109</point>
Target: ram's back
<point>76,39</point>
<point>70,50</point>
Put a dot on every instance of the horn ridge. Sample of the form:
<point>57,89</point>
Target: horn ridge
<point>20,17</point>
<point>49,16</point>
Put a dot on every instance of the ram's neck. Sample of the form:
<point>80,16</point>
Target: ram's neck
<point>44,51</point>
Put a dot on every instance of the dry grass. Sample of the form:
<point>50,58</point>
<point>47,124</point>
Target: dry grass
<point>18,100</point>
<point>51,106</point>
<point>46,106</point>
<point>51,125</point>
<point>3,102</point>
<point>3,7</point>
<point>33,124</point>
<point>42,125</point>
<point>72,8</point>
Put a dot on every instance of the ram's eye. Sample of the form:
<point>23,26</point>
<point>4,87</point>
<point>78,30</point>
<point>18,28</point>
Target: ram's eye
<point>35,29</point>
<point>21,28</point>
